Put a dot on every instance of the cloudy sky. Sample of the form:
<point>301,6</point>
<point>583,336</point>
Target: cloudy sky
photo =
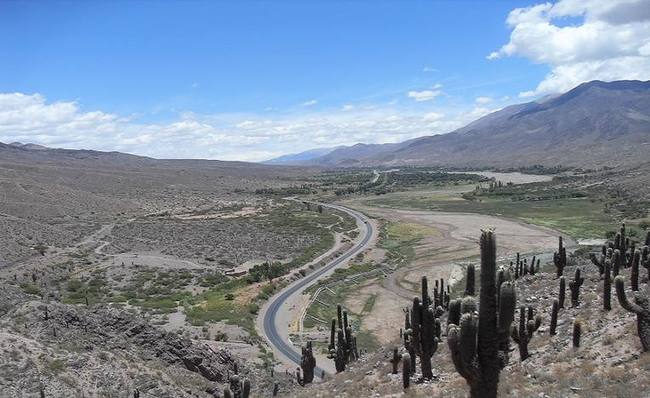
<point>253,80</point>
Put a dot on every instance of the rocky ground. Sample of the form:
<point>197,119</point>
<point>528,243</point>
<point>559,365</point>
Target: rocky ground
<point>610,361</point>
<point>101,351</point>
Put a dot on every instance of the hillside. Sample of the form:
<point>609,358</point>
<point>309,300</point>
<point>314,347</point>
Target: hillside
<point>583,127</point>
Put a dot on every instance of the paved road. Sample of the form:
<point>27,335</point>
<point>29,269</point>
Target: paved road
<point>269,323</point>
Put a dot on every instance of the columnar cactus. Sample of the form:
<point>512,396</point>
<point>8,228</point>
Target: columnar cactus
<point>577,333</point>
<point>344,347</point>
<point>559,258</point>
<point>471,280</point>
<point>634,273</point>
<point>307,363</point>
<point>338,353</point>
<point>523,334</point>
<point>453,318</point>
<point>574,286</point>
<point>607,286</point>
<point>395,361</point>
<point>479,345</point>
<point>554,311</point>
<point>641,307</point>
<point>406,370</point>
<point>425,330</point>
<point>562,293</point>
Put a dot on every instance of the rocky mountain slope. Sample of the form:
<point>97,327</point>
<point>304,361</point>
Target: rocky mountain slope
<point>608,361</point>
<point>593,125</point>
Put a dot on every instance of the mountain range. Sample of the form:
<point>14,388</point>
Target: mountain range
<point>593,125</point>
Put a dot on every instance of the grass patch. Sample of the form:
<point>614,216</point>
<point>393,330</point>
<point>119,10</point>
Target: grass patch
<point>577,217</point>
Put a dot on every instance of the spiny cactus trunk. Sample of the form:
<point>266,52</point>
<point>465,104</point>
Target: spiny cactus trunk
<point>641,307</point>
<point>470,283</point>
<point>607,287</point>
<point>562,294</point>
<point>307,363</point>
<point>479,345</point>
<point>574,286</point>
<point>554,311</point>
<point>634,274</point>
<point>406,370</point>
<point>559,258</point>
<point>577,333</point>
<point>395,361</point>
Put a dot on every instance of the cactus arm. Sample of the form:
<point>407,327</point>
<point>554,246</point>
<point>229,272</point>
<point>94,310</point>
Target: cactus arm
<point>622,298</point>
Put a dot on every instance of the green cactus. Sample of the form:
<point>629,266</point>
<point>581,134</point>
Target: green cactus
<point>343,349</point>
<point>453,317</point>
<point>562,293</point>
<point>554,311</point>
<point>559,258</point>
<point>607,285</point>
<point>406,370</point>
<point>641,307</point>
<point>227,393</point>
<point>308,363</point>
<point>470,283</point>
<point>577,333</point>
<point>276,388</point>
<point>395,360</point>
<point>634,273</point>
<point>574,286</point>
<point>480,344</point>
<point>527,327</point>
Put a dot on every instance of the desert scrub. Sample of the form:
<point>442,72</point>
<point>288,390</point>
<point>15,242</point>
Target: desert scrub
<point>399,239</point>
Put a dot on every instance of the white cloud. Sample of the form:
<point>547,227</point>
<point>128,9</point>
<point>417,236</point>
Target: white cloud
<point>310,102</point>
<point>428,69</point>
<point>610,41</point>
<point>483,100</point>
<point>251,137</point>
<point>424,95</point>
<point>347,107</point>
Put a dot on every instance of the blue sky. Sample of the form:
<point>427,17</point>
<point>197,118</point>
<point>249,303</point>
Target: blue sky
<point>251,80</point>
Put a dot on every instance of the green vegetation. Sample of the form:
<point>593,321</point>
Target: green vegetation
<point>399,239</point>
<point>575,213</point>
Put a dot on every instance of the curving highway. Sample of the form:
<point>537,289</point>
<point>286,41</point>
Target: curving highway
<point>269,325</point>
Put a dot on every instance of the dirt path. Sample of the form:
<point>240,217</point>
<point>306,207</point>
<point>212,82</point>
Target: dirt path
<point>452,241</point>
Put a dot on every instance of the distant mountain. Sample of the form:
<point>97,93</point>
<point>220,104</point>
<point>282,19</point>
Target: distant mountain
<point>28,146</point>
<point>593,125</point>
<point>301,157</point>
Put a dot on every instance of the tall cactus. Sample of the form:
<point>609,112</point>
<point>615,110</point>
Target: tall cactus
<point>574,286</point>
<point>577,333</point>
<point>307,363</point>
<point>344,347</point>
<point>562,292</point>
<point>607,286</point>
<point>471,280</point>
<point>641,307</point>
<point>406,370</point>
<point>559,258</point>
<point>634,273</point>
<point>480,344</point>
<point>395,361</point>
<point>425,330</point>
<point>527,327</point>
<point>554,311</point>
